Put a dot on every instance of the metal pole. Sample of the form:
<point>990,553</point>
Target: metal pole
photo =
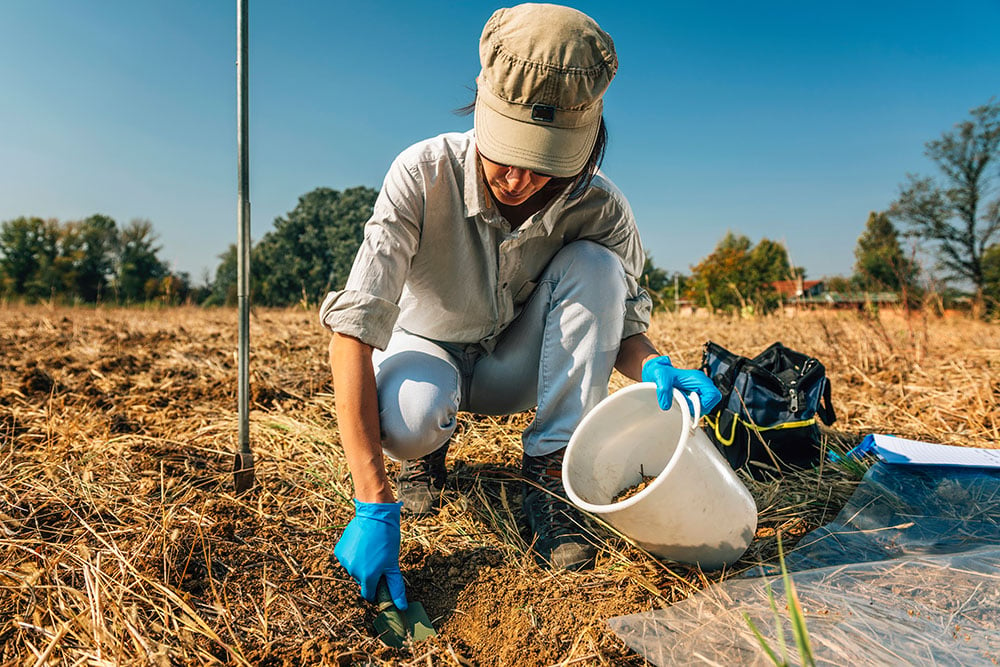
<point>243,473</point>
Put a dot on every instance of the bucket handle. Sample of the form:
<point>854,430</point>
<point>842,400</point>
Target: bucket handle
<point>696,416</point>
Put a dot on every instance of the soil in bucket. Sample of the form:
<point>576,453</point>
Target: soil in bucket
<point>630,491</point>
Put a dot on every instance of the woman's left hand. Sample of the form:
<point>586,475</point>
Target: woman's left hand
<point>660,371</point>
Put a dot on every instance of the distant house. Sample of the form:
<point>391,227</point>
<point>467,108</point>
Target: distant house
<point>813,293</point>
<point>796,290</point>
<point>854,299</point>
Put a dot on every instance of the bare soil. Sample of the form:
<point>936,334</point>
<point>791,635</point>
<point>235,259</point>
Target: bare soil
<point>121,540</point>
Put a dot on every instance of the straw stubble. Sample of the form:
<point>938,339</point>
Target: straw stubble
<point>121,541</point>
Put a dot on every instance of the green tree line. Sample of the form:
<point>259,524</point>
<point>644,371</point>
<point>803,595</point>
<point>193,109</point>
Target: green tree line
<point>954,215</point>
<point>308,253</point>
<point>85,261</point>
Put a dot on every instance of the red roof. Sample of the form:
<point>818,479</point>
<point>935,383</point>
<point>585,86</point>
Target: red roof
<point>792,287</point>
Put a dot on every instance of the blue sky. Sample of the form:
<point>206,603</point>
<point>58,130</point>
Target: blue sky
<point>785,120</point>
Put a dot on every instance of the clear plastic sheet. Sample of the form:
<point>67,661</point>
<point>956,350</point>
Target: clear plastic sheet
<point>908,573</point>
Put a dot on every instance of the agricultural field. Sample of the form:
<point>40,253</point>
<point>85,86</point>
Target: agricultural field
<point>121,541</point>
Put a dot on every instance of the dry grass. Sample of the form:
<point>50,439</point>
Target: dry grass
<point>121,543</point>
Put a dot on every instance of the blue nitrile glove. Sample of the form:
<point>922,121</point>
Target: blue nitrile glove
<point>369,549</point>
<point>667,378</point>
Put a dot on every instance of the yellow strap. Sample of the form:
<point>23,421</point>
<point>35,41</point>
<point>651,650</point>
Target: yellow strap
<point>714,423</point>
<point>777,427</point>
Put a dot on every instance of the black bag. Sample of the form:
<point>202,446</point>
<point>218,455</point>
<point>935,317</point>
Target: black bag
<point>766,421</point>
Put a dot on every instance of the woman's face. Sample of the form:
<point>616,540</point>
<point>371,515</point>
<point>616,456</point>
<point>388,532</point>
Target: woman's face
<point>511,186</point>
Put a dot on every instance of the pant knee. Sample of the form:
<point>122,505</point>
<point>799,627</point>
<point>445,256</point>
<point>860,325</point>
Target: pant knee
<point>595,269</point>
<point>412,432</point>
<point>418,406</point>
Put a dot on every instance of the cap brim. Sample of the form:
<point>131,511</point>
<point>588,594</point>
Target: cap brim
<point>542,148</point>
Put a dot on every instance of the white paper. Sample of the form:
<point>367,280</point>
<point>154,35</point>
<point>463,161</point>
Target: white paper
<point>900,450</point>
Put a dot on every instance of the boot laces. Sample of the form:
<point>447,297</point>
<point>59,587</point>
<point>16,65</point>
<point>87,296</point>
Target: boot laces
<point>425,470</point>
<point>551,501</point>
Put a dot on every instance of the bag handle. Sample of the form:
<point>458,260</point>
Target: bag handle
<point>721,355</point>
<point>825,409</point>
<point>726,380</point>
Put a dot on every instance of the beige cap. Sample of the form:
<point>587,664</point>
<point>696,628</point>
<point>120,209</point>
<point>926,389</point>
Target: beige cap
<point>538,98</point>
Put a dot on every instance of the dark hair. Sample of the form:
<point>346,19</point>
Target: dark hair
<point>574,185</point>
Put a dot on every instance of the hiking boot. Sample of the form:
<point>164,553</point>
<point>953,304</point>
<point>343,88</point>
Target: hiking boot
<point>421,481</point>
<point>555,524</point>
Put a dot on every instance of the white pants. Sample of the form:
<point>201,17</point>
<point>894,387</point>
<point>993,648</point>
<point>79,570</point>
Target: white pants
<point>557,355</point>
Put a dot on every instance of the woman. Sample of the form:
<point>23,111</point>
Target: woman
<point>498,273</point>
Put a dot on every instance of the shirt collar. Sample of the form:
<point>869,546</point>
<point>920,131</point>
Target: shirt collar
<point>477,200</point>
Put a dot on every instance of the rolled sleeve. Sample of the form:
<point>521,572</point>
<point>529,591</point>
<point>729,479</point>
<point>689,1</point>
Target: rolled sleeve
<point>638,310</point>
<point>363,316</point>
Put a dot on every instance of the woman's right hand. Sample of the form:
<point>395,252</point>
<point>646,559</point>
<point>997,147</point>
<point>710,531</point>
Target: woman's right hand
<point>369,549</point>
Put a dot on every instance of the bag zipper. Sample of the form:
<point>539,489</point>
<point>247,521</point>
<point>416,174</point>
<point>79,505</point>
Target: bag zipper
<point>793,394</point>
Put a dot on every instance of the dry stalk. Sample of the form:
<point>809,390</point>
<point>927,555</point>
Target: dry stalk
<point>121,542</point>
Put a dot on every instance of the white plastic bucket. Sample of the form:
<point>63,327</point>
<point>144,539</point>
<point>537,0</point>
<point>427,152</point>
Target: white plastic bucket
<point>696,510</point>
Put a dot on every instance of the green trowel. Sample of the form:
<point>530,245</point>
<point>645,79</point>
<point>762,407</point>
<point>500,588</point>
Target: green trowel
<point>395,627</point>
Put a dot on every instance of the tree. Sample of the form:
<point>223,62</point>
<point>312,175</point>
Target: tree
<point>17,247</point>
<point>738,275</point>
<point>654,280</point>
<point>138,268</point>
<point>311,250</point>
<point>838,284</point>
<point>769,261</point>
<point>29,248</point>
<point>175,288</point>
<point>954,212</point>
<point>717,279</point>
<point>881,264</point>
<point>88,254</point>
<point>991,277</point>
<point>224,285</point>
